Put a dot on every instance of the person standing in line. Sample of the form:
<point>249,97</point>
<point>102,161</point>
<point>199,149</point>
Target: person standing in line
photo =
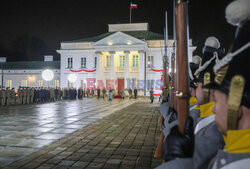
<point>98,93</point>
<point>103,93</point>
<point>13,96</point>
<point>123,94</point>
<point>88,91</point>
<point>110,94</point>
<point>130,93</point>
<point>135,93</point>
<point>151,95</point>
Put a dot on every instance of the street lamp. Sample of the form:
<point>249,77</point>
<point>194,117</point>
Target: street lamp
<point>72,78</point>
<point>47,75</point>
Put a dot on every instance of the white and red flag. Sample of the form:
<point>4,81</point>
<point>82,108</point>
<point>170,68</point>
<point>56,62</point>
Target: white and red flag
<point>133,6</point>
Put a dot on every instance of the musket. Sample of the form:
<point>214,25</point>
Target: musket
<point>165,60</point>
<point>158,152</point>
<point>182,64</point>
<point>172,82</point>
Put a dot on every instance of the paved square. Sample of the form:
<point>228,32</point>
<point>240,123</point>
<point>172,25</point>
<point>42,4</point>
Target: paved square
<point>82,138</point>
<point>25,129</point>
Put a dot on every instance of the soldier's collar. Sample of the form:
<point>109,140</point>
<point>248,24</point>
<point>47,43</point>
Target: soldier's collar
<point>237,141</point>
<point>192,101</point>
<point>206,109</point>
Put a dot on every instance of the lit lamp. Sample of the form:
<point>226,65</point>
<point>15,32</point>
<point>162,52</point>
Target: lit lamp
<point>47,75</point>
<point>72,78</point>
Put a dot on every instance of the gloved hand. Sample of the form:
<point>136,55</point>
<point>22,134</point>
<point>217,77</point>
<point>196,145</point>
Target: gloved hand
<point>172,114</point>
<point>178,145</point>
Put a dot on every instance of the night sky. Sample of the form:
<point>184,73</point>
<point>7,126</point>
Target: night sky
<point>32,28</point>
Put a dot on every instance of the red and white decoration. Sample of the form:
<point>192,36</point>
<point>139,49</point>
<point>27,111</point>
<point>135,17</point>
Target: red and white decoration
<point>80,70</point>
<point>156,70</point>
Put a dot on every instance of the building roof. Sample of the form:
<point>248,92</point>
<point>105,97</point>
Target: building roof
<point>144,35</point>
<point>31,65</point>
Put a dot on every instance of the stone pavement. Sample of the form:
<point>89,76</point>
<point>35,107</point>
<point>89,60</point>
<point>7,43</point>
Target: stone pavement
<point>25,129</point>
<point>125,139</point>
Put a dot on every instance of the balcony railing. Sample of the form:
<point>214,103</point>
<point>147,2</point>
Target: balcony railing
<point>134,69</point>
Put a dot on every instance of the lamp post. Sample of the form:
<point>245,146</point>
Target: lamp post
<point>47,75</point>
<point>72,78</point>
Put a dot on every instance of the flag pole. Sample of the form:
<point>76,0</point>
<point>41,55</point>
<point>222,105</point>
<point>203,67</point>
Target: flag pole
<point>130,13</point>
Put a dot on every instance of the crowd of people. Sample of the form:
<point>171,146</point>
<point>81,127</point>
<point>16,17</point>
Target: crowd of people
<point>217,130</point>
<point>29,95</point>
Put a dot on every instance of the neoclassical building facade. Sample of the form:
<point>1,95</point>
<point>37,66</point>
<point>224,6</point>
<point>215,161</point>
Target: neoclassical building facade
<point>128,55</point>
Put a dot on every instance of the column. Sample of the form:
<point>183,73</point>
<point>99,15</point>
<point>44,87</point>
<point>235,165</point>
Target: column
<point>98,56</point>
<point>126,68</point>
<point>112,53</point>
<point>142,70</point>
<point>141,66</point>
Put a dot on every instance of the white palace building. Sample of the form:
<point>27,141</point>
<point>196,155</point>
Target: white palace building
<point>127,55</point>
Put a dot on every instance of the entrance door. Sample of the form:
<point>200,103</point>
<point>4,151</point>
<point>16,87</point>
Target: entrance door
<point>120,87</point>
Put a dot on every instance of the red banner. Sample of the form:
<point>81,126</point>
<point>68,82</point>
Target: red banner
<point>156,70</point>
<point>80,70</point>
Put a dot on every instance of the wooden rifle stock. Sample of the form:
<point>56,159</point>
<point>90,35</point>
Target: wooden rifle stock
<point>172,80</point>
<point>158,151</point>
<point>181,64</point>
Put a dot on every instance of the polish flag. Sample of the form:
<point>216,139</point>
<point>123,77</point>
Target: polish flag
<point>133,6</point>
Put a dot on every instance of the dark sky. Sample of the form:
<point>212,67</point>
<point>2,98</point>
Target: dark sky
<point>32,28</point>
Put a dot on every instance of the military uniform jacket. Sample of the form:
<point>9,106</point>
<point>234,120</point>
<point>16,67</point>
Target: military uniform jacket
<point>236,153</point>
<point>208,141</point>
<point>226,160</point>
<point>3,93</point>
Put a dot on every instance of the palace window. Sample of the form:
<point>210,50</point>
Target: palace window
<point>40,83</point>
<point>108,61</point>
<point>122,61</point>
<point>9,83</point>
<point>83,62</point>
<point>57,83</point>
<point>150,61</point>
<point>24,83</point>
<point>70,63</point>
<point>135,61</point>
<point>95,62</point>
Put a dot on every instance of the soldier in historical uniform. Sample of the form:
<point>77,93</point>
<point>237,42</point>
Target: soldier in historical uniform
<point>56,94</point>
<point>8,96</point>
<point>1,95</point>
<point>60,93</point>
<point>110,94</point>
<point>98,92</point>
<point>81,90</point>
<point>92,92</point>
<point>32,94</point>
<point>28,95</point>
<point>88,91</point>
<point>103,93</point>
<point>79,93</point>
<point>84,91</point>
<point>151,92</point>
<point>25,95</point>
<point>232,93</point>
<point>123,94</point>
<point>130,92</point>
<point>20,97</point>
<point>4,97</point>
<point>208,140</point>
<point>135,92</point>
<point>13,96</point>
